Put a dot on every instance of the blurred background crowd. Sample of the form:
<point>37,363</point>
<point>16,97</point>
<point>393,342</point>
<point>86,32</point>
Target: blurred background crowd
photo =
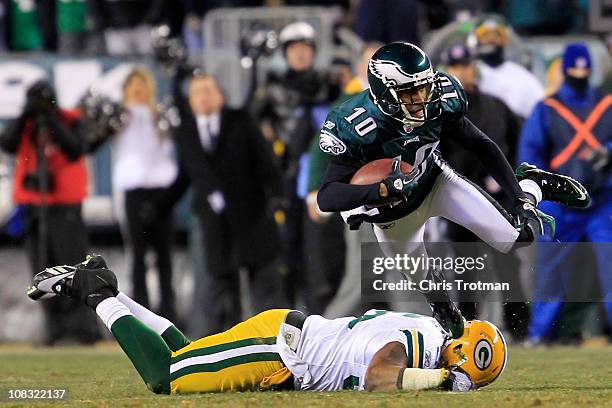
<point>180,140</point>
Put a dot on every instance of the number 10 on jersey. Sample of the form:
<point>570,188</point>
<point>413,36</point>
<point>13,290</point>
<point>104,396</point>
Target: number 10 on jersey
<point>365,126</point>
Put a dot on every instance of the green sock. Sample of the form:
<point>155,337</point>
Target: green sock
<point>174,338</point>
<point>148,352</point>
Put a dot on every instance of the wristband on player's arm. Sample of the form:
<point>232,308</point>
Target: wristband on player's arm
<point>420,379</point>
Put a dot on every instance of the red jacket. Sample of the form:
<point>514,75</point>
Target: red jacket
<point>69,178</point>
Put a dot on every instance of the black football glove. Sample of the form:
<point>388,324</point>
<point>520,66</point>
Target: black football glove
<point>526,211</point>
<point>457,381</point>
<point>399,185</point>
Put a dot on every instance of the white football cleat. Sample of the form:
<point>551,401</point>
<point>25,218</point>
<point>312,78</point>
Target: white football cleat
<point>51,282</point>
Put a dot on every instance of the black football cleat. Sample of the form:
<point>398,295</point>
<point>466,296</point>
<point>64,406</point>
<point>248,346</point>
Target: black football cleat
<point>92,262</point>
<point>449,317</point>
<point>555,187</point>
<point>51,282</point>
<point>444,310</point>
<point>77,282</point>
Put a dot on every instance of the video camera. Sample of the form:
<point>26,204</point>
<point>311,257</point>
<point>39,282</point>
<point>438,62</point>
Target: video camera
<point>256,42</point>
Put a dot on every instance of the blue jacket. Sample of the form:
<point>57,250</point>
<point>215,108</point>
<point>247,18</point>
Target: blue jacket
<point>546,134</point>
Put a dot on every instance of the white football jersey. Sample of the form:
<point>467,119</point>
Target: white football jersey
<point>337,352</point>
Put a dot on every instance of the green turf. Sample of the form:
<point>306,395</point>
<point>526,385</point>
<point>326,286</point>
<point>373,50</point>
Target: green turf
<point>559,377</point>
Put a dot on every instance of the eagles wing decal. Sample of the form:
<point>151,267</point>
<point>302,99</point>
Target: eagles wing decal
<point>388,71</point>
<point>331,144</point>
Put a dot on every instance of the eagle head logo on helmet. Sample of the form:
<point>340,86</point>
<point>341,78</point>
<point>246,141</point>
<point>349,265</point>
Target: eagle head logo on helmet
<point>402,68</point>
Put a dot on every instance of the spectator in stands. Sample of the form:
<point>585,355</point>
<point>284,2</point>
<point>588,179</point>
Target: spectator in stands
<point>507,80</point>
<point>127,24</point>
<point>24,31</point>
<point>50,183</point>
<point>291,108</point>
<point>143,168</point>
<point>71,26</point>
<point>569,133</point>
<point>230,167</point>
<point>493,117</point>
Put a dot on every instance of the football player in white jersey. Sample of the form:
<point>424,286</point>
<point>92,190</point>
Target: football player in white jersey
<point>284,349</point>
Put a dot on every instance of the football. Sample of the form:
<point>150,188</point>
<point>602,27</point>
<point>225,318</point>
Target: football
<point>375,171</point>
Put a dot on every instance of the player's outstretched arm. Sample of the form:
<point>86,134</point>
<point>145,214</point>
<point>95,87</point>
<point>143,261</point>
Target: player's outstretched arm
<point>489,154</point>
<point>388,371</point>
<point>336,192</point>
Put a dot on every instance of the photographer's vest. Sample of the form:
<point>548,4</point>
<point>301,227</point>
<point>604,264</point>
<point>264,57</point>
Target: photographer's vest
<point>68,179</point>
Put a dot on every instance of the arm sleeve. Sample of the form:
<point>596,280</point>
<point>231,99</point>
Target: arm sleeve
<point>532,141</point>
<point>489,154</point>
<point>11,136</point>
<point>336,194</point>
<point>70,141</point>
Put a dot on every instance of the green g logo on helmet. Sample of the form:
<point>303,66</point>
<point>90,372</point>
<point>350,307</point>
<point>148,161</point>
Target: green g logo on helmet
<point>403,83</point>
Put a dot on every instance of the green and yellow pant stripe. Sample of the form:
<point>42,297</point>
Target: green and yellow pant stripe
<point>242,358</point>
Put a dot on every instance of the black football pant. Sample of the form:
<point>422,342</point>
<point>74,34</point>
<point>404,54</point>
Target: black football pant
<point>65,243</point>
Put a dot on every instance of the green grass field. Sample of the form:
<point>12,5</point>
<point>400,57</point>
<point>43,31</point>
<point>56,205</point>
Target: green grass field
<point>103,377</point>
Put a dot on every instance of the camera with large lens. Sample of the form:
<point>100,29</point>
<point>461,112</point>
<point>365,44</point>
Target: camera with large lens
<point>169,52</point>
<point>256,42</point>
<point>102,117</point>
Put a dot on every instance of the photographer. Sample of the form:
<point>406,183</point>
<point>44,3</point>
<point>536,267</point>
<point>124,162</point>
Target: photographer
<point>50,183</point>
<point>291,108</point>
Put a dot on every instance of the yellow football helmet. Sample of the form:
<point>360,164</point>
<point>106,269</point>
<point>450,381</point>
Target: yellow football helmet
<point>481,352</point>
